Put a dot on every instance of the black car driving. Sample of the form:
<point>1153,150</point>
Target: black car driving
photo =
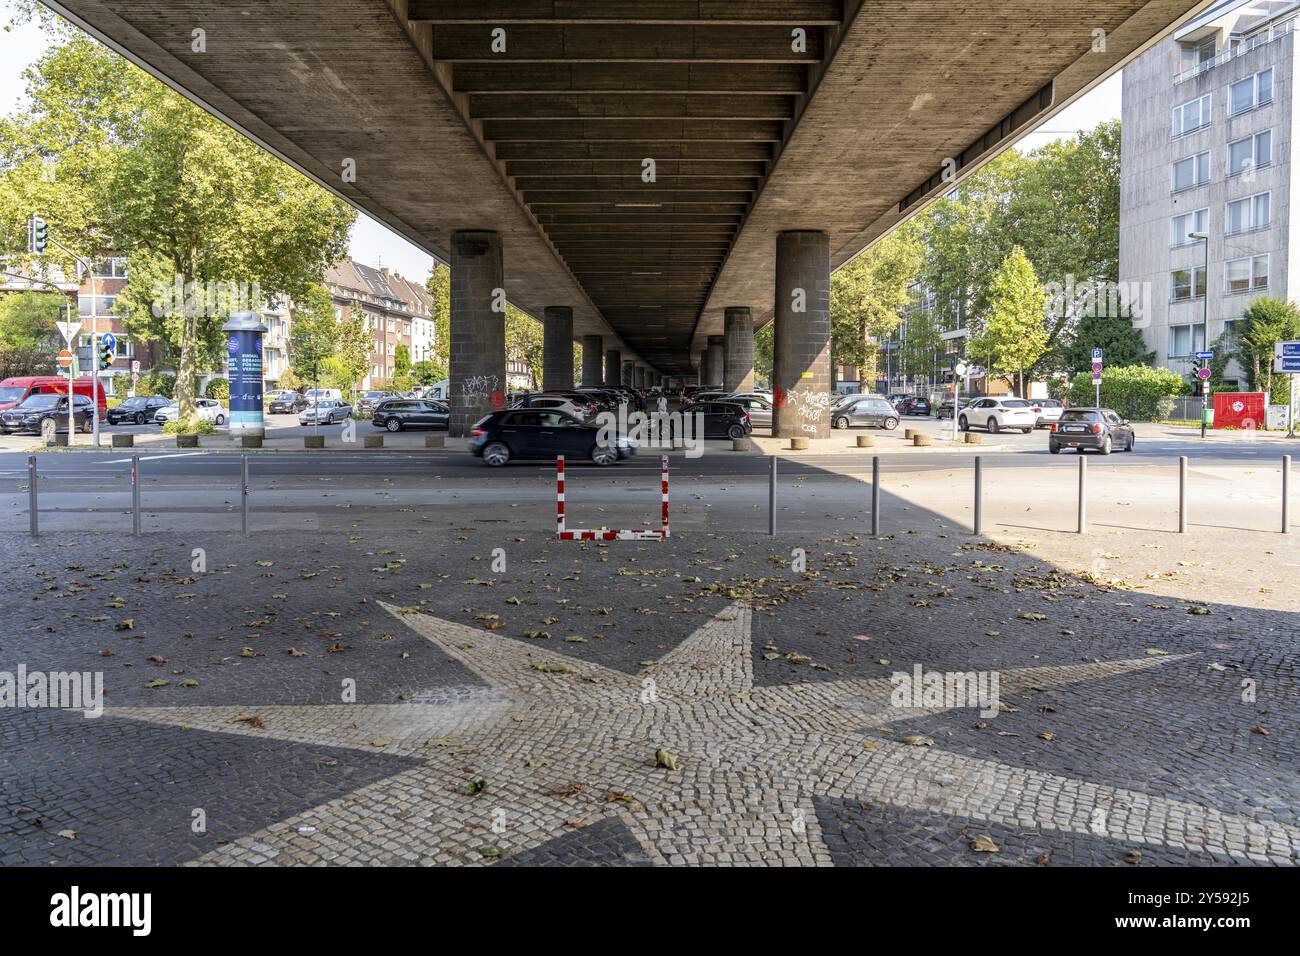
<point>288,403</point>
<point>721,420</point>
<point>1100,429</point>
<point>29,415</point>
<point>524,433</point>
<point>137,411</point>
<point>398,413</point>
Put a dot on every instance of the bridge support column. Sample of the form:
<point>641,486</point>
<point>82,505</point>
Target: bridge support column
<point>802,337</point>
<point>591,359</point>
<point>613,367</point>
<point>738,350</point>
<point>557,347</point>
<point>629,376</point>
<point>478,330</point>
<point>702,368</point>
<point>715,360</point>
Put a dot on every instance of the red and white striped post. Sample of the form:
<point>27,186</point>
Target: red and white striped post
<point>608,534</point>
<point>559,497</point>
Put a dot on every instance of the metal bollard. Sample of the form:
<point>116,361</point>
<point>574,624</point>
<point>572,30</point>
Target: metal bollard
<point>771,495</point>
<point>31,495</point>
<point>979,495</point>
<point>1182,495</point>
<point>875,496</point>
<point>243,482</point>
<point>135,495</point>
<point>1286,494</point>
<point>1083,494</point>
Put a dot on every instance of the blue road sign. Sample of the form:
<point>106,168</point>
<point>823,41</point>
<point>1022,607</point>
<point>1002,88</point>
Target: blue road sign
<point>1097,355</point>
<point>1287,364</point>
<point>1288,349</point>
<point>108,340</point>
<point>1204,356</point>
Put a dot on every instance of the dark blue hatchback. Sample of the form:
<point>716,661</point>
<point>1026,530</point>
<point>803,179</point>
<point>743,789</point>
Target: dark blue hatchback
<point>524,434</point>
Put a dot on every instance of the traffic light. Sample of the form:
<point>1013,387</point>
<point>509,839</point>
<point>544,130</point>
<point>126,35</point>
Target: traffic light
<point>38,235</point>
<point>105,355</point>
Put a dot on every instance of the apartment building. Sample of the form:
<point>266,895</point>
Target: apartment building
<point>354,286</point>
<point>1206,189</point>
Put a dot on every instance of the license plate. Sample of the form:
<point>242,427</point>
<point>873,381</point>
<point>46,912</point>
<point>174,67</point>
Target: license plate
<point>1075,428</point>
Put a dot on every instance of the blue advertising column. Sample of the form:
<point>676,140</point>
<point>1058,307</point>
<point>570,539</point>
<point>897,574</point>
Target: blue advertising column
<point>244,334</point>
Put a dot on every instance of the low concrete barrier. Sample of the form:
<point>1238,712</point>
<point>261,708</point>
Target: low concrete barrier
<point>187,441</point>
<point>865,441</point>
<point>373,441</point>
<point>740,444</point>
<point>798,444</point>
<point>434,441</point>
<point>973,439</point>
<point>313,441</point>
<point>250,441</point>
<point>920,441</point>
<point>123,441</point>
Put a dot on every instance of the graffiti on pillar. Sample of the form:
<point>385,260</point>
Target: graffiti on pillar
<point>480,389</point>
<point>812,408</point>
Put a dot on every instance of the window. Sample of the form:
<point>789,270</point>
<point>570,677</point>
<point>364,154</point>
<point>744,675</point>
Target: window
<point>1197,54</point>
<point>1186,284</point>
<point>1250,153</point>
<point>1251,92</point>
<point>1192,116</point>
<point>1192,171</point>
<point>96,305</point>
<point>1181,227</point>
<point>1186,339</point>
<point>1247,214</point>
<point>1231,328</point>
<point>111,269</point>
<point>1246,274</point>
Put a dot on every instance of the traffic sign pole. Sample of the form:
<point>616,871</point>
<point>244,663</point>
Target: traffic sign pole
<point>1098,355</point>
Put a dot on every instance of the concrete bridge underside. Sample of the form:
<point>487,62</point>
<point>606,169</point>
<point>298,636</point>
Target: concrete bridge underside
<point>543,120</point>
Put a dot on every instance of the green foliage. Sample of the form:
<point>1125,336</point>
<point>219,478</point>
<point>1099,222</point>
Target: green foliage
<point>439,286</point>
<point>427,373</point>
<point>1266,321</point>
<point>351,360</point>
<point>1012,336</point>
<point>314,335</point>
<point>1135,391</point>
<point>1115,335</point>
<point>868,295</point>
<point>156,383</point>
<point>179,426</point>
<point>29,340</point>
<point>763,346</point>
<point>218,388</point>
<point>524,342</point>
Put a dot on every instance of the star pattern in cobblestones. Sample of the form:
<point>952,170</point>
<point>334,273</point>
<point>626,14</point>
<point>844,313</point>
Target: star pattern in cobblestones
<point>553,744</point>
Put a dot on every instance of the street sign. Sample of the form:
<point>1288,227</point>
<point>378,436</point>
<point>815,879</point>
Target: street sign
<point>135,376</point>
<point>135,367</point>
<point>1203,374</point>
<point>1287,349</point>
<point>1287,364</point>
<point>1204,356</point>
<point>69,330</point>
<point>108,341</point>
<point>65,359</point>
<point>1097,355</point>
<point>959,368</point>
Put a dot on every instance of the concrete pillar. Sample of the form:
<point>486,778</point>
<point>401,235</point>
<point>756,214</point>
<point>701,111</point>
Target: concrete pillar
<point>802,337</point>
<point>738,350</point>
<point>639,376</point>
<point>702,368</point>
<point>629,376</point>
<point>613,367</point>
<point>591,359</point>
<point>715,360</point>
<point>557,347</point>
<point>478,332</point>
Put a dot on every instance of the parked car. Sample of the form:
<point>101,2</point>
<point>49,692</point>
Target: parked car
<point>759,407</point>
<point>30,414</point>
<point>914,405</point>
<point>398,413</point>
<point>945,410</point>
<point>209,410</point>
<point>1048,410</point>
<point>139,410</point>
<point>707,395</point>
<point>897,398</point>
<point>325,412</point>
<point>531,433</point>
<point>368,400</point>
<point>874,410</point>
<point>722,419</point>
<point>1101,429</point>
<point>287,403</point>
<point>321,394</point>
<point>14,391</point>
<point>996,414</point>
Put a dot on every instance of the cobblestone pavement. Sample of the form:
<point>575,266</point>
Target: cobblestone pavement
<point>413,698</point>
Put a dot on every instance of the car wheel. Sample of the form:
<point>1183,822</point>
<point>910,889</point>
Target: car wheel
<point>393,425</point>
<point>220,420</point>
<point>992,426</point>
<point>139,418</point>
<point>1026,430</point>
<point>1131,440</point>
<point>1105,446</point>
<point>891,424</point>
<point>1054,449</point>
<point>736,431</point>
<point>963,424</point>
<point>840,422</point>
<point>604,455</point>
<point>496,454</point>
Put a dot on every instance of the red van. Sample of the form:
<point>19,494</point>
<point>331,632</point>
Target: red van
<point>15,390</point>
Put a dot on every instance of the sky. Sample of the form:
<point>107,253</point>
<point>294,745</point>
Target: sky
<point>375,245</point>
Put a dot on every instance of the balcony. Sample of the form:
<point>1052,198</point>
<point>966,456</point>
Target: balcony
<point>1247,45</point>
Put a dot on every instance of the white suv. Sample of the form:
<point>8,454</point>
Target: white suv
<point>996,414</point>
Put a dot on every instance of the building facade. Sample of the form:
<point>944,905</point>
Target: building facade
<point>1206,190</point>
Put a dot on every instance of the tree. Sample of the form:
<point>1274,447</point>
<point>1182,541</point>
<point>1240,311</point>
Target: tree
<point>763,352</point>
<point>1011,337</point>
<point>314,335</point>
<point>29,339</point>
<point>524,342</point>
<point>401,367</point>
<point>351,360</point>
<point>1135,391</point>
<point>427,373</point>
<point>209,221</point>
<point>868,295</point>
<point>439,286</point>
<point>921,344</point>
<point>1265,322</point>
<point>1114,335</point>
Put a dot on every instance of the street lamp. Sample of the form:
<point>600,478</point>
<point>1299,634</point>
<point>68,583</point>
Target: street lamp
<point>1205,331</point>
